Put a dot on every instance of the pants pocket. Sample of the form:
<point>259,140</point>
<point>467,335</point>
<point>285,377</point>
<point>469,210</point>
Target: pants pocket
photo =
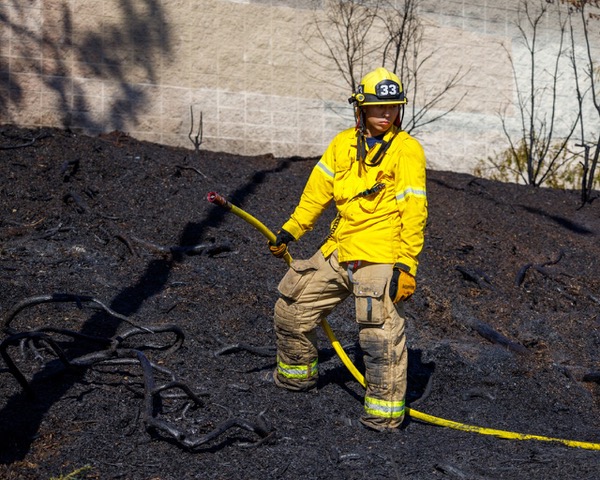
<point>299,275</point>
<point>370,302</point>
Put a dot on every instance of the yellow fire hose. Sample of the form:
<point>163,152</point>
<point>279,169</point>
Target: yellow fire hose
<point>217,199</point>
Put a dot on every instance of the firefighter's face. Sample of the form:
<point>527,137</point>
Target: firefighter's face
<point>379,118</point>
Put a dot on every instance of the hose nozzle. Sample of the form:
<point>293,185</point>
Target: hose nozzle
<point>214,197</point>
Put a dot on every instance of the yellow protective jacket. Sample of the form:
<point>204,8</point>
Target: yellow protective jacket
<point>376,223</point>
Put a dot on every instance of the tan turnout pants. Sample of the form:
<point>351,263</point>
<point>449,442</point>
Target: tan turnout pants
<point>309,292</point>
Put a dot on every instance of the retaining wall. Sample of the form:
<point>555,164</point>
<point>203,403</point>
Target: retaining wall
<point>142,66</point>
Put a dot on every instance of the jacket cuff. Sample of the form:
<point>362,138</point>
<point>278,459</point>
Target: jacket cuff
<point>407,265</point>
<point>402,266</point>
<point>292,227</point>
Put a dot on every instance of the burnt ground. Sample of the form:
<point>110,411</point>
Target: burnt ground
<point>101,233</point>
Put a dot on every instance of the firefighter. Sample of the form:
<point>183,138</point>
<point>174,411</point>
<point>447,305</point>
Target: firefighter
<point>375,174</point>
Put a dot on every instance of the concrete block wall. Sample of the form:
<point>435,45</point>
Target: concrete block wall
<point>139,66</point>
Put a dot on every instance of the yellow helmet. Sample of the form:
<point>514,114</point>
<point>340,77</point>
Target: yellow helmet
<point>379,87</point>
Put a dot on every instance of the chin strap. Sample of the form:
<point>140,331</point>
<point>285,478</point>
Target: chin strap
<point>383,148</point>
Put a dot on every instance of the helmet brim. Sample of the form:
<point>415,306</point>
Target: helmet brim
<point>383,102</point>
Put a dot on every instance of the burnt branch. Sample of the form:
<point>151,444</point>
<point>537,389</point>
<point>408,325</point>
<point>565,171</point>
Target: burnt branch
<point>467,318</point>
<point>592,377</point>
<point>487,332</point>
<point>114,348</point>
<point>237,347</point>
<point>520,278</point>
<point>127,243</point>
<point>28,142</point>
<point>476,276</point>
<point>61,297</point>
<point>114,351</point>
<point>14,340</point>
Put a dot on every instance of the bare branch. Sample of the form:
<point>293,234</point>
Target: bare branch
<point>345,38</point>
<point>591,152</point>
<point>535,151</point>
<point>197,139</point>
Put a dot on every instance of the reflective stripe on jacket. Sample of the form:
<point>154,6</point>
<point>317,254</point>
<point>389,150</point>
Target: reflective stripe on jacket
<point>385,226</point>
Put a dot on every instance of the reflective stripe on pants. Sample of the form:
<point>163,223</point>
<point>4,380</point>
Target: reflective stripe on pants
<point>383,408</point>
<point>302,372</point>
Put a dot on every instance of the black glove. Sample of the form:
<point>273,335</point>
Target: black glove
<point>279,248</point>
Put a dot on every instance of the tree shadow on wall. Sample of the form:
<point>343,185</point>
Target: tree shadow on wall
<point>76,58</point>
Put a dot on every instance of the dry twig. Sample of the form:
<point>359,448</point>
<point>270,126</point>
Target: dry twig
<point>29,142</point>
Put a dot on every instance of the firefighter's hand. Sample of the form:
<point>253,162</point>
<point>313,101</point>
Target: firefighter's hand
<point>402,285</point>
<point>279,248</point>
